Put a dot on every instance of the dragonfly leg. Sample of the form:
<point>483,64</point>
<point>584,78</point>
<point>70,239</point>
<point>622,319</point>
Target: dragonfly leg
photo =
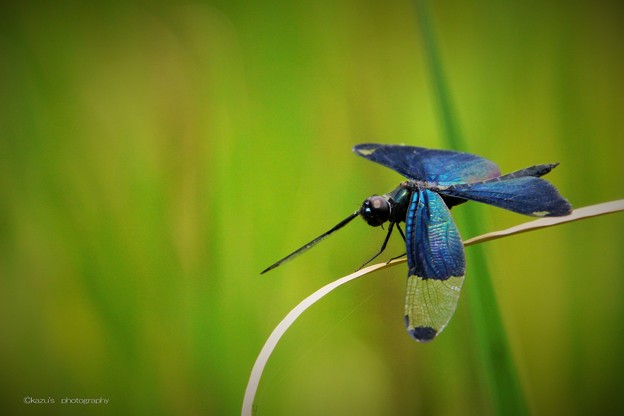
<point>402,235</point>
<point>397,257</point>
<point>383,246</point>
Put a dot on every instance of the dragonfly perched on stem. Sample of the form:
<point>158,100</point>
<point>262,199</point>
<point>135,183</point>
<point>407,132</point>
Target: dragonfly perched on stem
<point>437,181</point>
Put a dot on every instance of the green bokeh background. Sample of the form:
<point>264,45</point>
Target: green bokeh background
<point>155,156</point>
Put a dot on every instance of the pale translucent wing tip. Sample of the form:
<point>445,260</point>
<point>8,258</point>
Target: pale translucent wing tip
<point>429,305</point>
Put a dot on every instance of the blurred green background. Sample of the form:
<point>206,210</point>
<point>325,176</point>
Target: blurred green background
<point>155,156</point>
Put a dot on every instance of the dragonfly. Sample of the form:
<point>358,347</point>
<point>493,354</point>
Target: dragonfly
<point>438,180</point>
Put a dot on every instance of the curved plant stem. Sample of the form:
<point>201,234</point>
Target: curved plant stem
<point>577,214</point>
<point>280,330</point>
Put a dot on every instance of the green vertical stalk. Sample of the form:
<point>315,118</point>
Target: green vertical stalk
<point>499,372</point>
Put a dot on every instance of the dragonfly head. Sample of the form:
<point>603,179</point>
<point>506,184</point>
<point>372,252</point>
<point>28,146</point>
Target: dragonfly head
<point>375,210</point>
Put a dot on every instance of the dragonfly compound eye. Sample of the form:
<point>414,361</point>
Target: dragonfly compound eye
<point>375,210</point>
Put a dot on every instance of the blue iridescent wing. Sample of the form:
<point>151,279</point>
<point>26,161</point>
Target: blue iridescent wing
<point>441,166</point>
<point>526,195</point>
<point>436,261</point>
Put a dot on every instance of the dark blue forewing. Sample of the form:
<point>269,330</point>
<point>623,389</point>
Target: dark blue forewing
<point>525,195</point>
<point>441,166</point>
<point>436,261</point>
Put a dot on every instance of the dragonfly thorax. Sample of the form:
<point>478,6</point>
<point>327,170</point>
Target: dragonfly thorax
<point>375,210</point>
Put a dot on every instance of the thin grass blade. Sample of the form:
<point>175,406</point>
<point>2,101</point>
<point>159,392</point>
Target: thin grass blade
<point>293,315</point>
